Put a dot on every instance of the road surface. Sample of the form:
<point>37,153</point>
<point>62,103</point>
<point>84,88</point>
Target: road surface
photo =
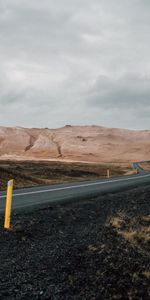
<point>136,165</point>
<point>31,198</point>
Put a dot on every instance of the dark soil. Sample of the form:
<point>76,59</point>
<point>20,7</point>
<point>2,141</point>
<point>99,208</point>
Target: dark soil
<point>93,250</point>
<point>28,173</point>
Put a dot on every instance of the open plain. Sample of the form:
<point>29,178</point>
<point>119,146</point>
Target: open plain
<point>34,173</point>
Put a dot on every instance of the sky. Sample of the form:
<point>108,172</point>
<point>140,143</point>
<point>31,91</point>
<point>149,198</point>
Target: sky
<point>77,62</point>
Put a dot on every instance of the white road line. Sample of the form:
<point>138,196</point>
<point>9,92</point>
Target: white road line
<point>77,186</point>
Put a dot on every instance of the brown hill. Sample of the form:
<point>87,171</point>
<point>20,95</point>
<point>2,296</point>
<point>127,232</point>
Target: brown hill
<point>75,143</point>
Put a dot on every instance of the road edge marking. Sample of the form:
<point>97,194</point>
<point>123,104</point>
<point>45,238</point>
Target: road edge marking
<point>76,186</point>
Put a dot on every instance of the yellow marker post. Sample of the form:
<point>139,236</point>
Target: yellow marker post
<point>108,173</point>
<point>8,204</point>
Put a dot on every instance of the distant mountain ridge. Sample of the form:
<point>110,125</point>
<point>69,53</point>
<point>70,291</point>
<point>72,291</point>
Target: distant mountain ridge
<point>75,143</point>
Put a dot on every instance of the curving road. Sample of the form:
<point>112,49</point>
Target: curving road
<point>136,165</point>
<point>31,198</point>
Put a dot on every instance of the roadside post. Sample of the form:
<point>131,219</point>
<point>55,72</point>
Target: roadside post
<point>108,173</point>
<point>8,204</point>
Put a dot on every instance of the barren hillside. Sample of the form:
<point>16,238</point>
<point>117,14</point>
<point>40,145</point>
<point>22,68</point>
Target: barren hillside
<point>75,143</point>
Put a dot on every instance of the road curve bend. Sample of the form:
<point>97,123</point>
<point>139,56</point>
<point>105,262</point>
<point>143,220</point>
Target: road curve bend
<point>35,197</point>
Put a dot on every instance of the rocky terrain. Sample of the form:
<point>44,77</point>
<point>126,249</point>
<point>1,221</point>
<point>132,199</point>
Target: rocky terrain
<point>75,143</point>
<point>95,249</point>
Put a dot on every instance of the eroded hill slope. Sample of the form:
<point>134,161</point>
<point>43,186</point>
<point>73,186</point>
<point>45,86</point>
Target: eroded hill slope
<point>77,143</point>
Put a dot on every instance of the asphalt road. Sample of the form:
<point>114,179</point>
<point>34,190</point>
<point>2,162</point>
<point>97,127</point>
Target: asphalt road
<point>31,198</point>
<point>136,165</point>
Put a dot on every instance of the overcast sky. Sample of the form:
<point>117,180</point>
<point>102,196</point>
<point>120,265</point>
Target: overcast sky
<point>75,62</point>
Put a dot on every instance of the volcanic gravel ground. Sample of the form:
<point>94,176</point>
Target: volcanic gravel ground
<point>90,250</point>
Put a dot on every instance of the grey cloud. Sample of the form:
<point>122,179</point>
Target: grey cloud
<point>75,61</point>
<point>126,92</point>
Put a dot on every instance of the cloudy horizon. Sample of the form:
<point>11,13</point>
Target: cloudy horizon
<point>75,62</point>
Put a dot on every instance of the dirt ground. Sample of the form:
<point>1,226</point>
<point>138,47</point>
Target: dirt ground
<point>28,173</point>
<point>92,250</point>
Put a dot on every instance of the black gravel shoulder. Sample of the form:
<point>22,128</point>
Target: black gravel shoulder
<point>96,249</point>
